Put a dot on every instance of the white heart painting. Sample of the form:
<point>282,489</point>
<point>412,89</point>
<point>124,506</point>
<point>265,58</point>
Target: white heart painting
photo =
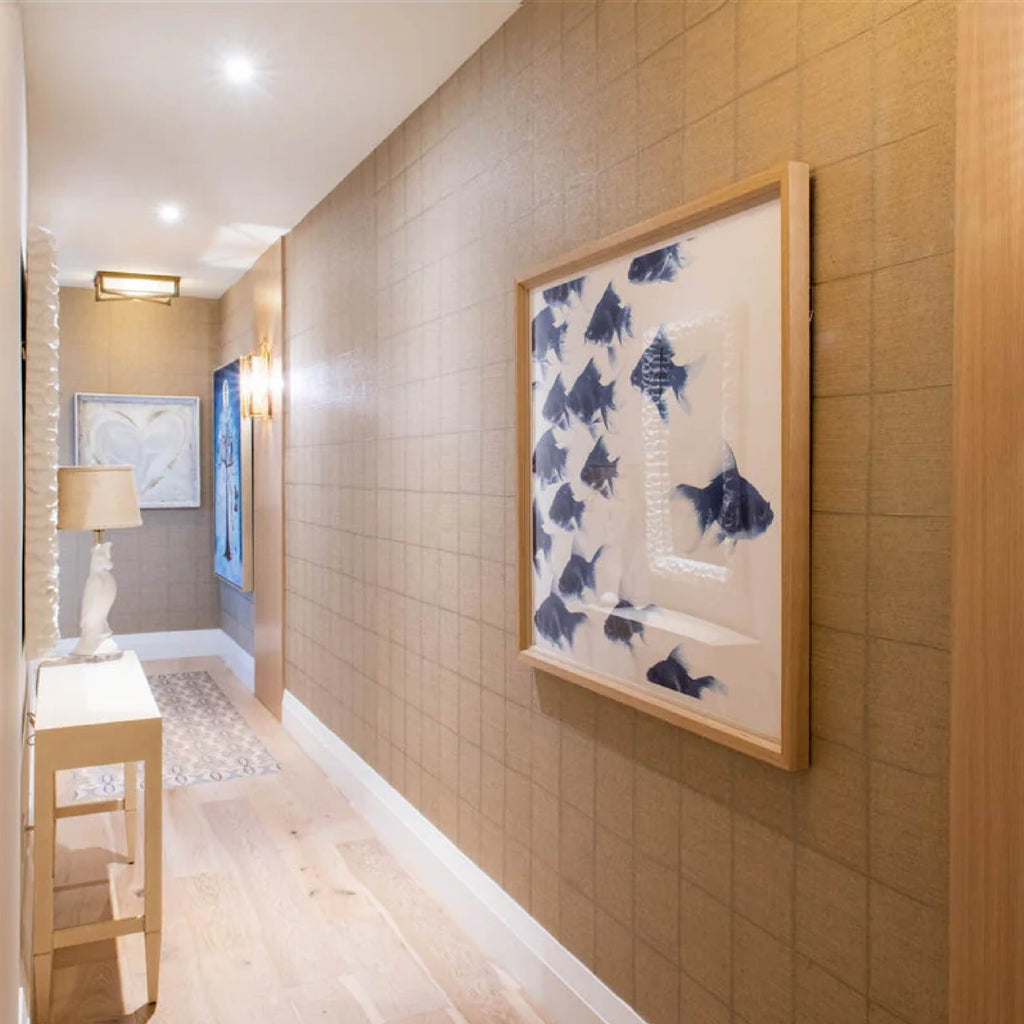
<point>158,436</point>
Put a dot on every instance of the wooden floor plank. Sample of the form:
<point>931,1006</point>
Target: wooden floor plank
<point>327,1001</point>
<point>300,944</point>
<point>472,984</point>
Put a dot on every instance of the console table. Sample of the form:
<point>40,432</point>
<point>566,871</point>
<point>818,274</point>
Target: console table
<point>94,714</point>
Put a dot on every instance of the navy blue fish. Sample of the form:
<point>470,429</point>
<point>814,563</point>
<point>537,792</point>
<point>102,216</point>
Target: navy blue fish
<point>730,501</point>
<point>549,459</point>
<point>561,294</point>
<point>611,320</point>
<point>555,622</point>
<point>565,510</point>
<point>673,674</point>
<point>588,397</point>
<point>660,265</point>
<point>579,574</point>
<point>547,335</point>
<point>620,628</point>
<point>541,538</point>
<point>554,410</point>
<point>600,470</point>
<point>655,374</point>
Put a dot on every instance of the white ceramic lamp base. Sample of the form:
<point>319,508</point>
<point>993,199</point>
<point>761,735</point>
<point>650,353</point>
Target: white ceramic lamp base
<point>95,636</point>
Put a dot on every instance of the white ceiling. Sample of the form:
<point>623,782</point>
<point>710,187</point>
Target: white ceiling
<point>129,108</point>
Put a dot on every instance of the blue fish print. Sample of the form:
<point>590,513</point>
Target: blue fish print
<point>660,265</point>
<point>554,410</point>
<point>541,538</point>
<point>562,294</point>
<point>600,470</point>
<point>589,397</point>
<point>611,320</point>
<point>555,622</point>
<point>579,574</point>
<point>549,459</point>
<point>730,501</point>
<point>673,674</point>
<point>621,629</point>
<point>565,510</point>
<point>547,335</point>
<point>655,374</point>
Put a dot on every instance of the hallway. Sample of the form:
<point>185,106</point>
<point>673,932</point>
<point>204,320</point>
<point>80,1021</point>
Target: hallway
<point>281,907</point>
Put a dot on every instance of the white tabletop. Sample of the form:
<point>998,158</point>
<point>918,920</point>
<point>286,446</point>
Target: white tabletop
<point>97,693</point>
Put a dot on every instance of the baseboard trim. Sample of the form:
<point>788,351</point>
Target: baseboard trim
<point>239,660</point>
<point>559,985</point>
<point>183,643</point>
<point>23,1017</point>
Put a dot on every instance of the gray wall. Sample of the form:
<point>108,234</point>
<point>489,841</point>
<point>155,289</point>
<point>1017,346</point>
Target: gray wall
<point>164,569</point>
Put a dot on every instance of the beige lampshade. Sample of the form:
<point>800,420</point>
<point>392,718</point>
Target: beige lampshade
<point>96,498</point>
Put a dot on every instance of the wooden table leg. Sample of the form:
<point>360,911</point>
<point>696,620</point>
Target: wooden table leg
<point>43,845</point>
<point>131,797</point>
<point>153,810</point>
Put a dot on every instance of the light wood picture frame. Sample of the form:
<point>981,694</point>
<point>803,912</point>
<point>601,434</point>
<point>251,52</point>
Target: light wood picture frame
<point>661,370</point>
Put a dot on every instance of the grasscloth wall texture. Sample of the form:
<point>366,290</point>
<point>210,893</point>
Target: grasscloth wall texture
<point>164,569</point>
<point>700,884</point>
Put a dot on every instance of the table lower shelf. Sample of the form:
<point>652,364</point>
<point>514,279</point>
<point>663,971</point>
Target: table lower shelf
<point>98,931</point>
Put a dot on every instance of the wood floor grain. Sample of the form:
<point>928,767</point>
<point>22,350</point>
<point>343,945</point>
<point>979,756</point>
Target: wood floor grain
<point>280,907</point>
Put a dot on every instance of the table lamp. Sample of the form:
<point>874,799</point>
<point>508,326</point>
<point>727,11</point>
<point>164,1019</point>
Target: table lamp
<point>97,498</point>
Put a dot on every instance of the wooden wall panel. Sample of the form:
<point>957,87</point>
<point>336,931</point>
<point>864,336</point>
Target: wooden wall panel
<point>268,498</point>
<point>987,736</point>
<point>253,310</point>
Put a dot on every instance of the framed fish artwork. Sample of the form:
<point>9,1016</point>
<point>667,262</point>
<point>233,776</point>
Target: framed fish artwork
<point>663,420</point>
<point>232,480</point>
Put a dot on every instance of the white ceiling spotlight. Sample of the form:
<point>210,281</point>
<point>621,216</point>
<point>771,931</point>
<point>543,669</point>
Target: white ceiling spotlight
<point>169,213</point>
<point>239,70</point>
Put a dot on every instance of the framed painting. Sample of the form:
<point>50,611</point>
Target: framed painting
<point>157,435</point>
<point>232,480</point>
<point>664,438</point>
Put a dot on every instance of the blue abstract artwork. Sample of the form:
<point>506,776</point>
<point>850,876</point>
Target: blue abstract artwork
<point>232,460</point>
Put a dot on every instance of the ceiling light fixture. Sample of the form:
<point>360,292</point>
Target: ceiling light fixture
<point>239,70</point>
<point>169,213</point>
<point>114,286</point>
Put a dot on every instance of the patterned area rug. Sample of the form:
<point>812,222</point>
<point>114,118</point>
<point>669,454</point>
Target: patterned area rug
<point>205,740</point>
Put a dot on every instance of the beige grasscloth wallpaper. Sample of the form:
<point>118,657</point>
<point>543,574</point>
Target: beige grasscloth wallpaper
<point>164,569</point>
<point>700,884</point>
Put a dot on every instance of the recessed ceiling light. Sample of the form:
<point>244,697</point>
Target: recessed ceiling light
<point>239,70</point>
<point>169,213</point>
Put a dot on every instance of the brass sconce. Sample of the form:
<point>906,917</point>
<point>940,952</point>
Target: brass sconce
<point>256,384</point>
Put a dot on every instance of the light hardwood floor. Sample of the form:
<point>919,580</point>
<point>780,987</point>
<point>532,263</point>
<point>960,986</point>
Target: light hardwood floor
<point>280,907</point>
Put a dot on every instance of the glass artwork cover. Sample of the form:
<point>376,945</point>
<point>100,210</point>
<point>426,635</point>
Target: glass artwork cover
<point>656,483</point>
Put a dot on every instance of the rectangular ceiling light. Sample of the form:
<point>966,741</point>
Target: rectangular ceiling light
<point>114,286</point>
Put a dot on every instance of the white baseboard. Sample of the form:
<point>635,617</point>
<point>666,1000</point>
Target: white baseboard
<point>182,643</point>
<point>559,985</point>
<point>239,660</point>
<point>23,1017</point>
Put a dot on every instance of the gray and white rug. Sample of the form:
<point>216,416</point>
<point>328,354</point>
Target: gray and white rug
<point>205,740</point>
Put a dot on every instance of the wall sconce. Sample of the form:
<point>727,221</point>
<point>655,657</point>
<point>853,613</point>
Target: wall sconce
<point>256,384</point>
<point>112,286</point>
